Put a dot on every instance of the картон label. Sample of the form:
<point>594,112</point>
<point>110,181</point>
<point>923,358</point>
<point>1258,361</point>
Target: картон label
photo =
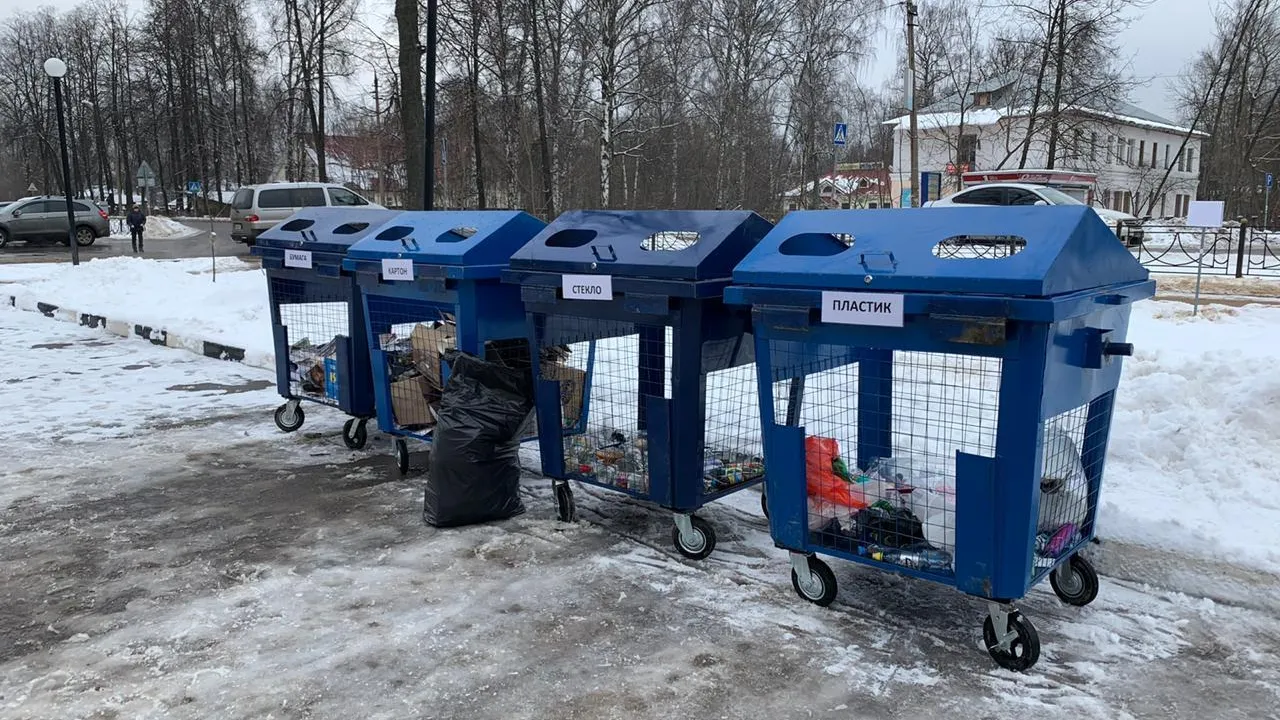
<point>397,269</point>
<point>849,308</point>
<point>297,259</point>
<point>587,287</point>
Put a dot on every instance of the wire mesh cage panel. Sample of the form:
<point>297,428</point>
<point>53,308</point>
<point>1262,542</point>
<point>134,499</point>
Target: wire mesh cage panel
<point>1068,500</point>
<point>605,379</point>
<point>881,437</point>
<point>413,338</point>
<point>732,451</point>
<point>313,321</point>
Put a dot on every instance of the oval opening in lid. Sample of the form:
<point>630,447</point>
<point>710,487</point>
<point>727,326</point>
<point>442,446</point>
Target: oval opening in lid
<point>395,232</point>
<point>670,241</point>
<point>457,234</point>
<point>979,247</point>
<point>816,244</point>
<point>297,225</point>
<point>571,238</point>
<point>350,228</point>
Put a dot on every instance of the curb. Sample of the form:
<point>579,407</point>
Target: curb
<point>155,336</point>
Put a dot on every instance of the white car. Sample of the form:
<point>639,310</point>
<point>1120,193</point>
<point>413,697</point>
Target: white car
<point>1126,226</point>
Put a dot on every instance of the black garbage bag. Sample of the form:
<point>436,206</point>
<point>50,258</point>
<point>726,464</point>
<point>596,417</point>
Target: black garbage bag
<point>474,474</point>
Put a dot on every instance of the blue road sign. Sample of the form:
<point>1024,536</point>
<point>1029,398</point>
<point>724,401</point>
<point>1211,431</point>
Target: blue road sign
<point>841,134</point>
<point>1268,181</point>
<point>193,186</point>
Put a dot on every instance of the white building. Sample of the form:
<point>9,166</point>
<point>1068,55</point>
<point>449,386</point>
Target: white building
<point>1128,147</point>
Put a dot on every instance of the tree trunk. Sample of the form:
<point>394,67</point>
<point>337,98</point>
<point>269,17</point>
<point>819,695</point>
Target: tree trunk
<point>475,104</point>
<point>548,194</point>
<point>412,121</point>
<point>1060,59</point>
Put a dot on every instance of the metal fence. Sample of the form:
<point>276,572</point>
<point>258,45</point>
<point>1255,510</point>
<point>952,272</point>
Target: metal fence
<point>1235,250</point>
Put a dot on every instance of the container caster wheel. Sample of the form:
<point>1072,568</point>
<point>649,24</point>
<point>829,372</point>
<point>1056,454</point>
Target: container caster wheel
<point>566,508</point>
<point>289,416</point>
<point>1018,647</point>
<point>1075,582</point>
<point>354,434</point>
<point>402,456</point>
<point>820,586</point>
<point>693,537</point>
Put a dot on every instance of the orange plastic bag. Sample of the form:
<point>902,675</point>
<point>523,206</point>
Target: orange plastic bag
<point>820,476</point>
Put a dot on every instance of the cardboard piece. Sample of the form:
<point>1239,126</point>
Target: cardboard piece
<point>429,345</point>
<point>573,383</point>
<point>411,402</point>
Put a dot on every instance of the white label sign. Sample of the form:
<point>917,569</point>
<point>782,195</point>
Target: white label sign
<point>396,269</point>
<point>297,259</point>
<point>1204,213</point>
<point>587,287</point>
<point>848,308</point>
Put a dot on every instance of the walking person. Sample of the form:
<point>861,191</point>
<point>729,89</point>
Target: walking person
<point>136,221</point>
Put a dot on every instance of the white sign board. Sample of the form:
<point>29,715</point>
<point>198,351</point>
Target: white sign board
<point>587,287</point>
<point>396,269</point>
<point>297,259</point>
<point>846,308</point>
<point>1205,214</point>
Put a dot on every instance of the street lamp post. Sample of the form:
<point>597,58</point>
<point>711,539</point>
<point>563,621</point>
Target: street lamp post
<point>429,176</point>
<point>56,69</point>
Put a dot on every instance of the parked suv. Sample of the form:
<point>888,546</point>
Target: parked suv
<point>45,218</point>
<point>256,208</point>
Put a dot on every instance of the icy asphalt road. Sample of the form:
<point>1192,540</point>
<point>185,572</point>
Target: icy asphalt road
<point>165,552</point>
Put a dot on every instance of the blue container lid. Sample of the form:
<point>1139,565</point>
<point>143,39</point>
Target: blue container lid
<point>324,230</point>
<point>667,244</point>
<point>481,241</point>
<point>1010,251</point>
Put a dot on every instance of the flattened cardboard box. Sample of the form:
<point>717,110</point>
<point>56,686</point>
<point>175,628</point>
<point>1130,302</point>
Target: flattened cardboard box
<point>573,383</point>
<point>429,344</point>
<point>410,402</point>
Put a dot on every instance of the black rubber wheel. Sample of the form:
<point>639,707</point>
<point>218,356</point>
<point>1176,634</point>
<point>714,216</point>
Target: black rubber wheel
<point>4,237</point>
<point>85,236</point>
<point>705,539</point>
<point>286,423</point>
<point>1023,651</point>
<point>1078,584</point>
<point>566,508</point>
<point>764,502</point>
<point>402,456</point>
<point>821,588</point>
<point>354,434</point>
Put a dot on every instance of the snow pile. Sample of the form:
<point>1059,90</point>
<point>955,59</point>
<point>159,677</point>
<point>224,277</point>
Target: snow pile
<point>1194,458</point>
<point>158,227</point>
<point>180,296</point>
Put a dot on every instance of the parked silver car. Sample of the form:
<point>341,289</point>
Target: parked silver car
<point>45,218</point>
<point>257,208</point>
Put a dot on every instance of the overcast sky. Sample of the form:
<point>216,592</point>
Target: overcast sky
<point>1163,38</point>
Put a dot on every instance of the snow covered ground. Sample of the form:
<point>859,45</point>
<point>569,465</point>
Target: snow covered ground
<point>181,296</point>
<point>158,227</point>
<point>168,554</point>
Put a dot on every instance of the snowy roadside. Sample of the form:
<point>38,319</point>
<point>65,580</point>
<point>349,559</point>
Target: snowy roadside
<point>158,227</point>
<point>167,554</point>
<point>1193,463</point>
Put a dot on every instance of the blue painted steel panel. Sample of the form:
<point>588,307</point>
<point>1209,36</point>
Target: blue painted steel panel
<point>471,244</point>
<point>327,232</point>
<point>613,242</point>
<point>1068,249</point>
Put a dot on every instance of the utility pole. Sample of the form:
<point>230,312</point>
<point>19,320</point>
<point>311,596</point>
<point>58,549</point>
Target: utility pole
<point>911,103</point>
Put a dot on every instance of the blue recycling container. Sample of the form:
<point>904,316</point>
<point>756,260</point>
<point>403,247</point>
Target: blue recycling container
<point>645,385</point>
<point>431,282</point>
<point>317,316</point>
<point>949,377</point>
